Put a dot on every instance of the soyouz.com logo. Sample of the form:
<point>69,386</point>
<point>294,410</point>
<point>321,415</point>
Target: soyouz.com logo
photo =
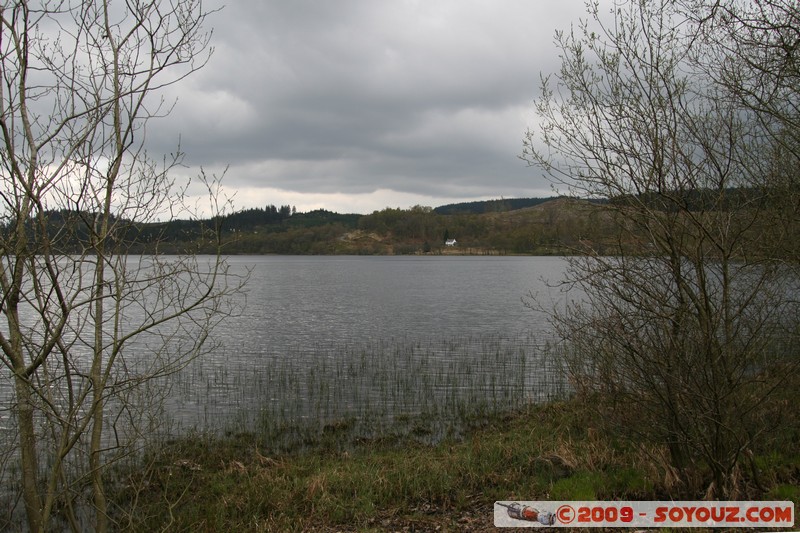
<point>644,514</point>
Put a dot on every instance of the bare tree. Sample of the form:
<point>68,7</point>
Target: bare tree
<point>87,326</point>
<point>680,338</point>
<point>759,43</point>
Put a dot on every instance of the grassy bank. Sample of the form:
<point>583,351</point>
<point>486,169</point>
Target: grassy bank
<point>551,452</point>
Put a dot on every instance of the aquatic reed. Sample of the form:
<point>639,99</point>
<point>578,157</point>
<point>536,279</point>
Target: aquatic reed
<point>383,389</point>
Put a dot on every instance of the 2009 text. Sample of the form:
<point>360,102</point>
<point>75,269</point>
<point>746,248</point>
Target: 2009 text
<point>645,514</point>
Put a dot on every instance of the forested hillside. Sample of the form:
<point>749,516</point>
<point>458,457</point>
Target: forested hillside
<point>552,226</point>
<point>490,206</point>
<point>549,226</point>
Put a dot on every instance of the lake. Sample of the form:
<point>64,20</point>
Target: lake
<point>362,346</point>
<point>300,302</point>
<point>326,341</point>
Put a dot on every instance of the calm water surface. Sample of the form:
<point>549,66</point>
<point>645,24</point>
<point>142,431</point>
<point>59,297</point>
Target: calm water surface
<point>301,302</point>
<point>322,339</point>
<point>326,338</point>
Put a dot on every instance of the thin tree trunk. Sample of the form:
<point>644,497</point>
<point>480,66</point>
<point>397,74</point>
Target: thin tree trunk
<point>29,461</point>
<point>98,390</point>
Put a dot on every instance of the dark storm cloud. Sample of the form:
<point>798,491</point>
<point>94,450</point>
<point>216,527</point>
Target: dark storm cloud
<point>420,97</point>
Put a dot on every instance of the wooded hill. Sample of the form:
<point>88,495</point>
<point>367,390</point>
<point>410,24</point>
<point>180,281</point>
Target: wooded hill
<point>526,226</point>
<point>539,226</point>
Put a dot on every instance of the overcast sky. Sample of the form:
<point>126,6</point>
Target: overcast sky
<point>358,105</point>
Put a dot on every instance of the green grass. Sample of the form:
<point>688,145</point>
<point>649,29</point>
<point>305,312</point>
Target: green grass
<point>539,453</point>
<point>235,484</point>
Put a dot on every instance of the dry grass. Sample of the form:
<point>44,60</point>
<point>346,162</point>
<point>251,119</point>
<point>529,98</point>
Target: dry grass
<point>541,453</point>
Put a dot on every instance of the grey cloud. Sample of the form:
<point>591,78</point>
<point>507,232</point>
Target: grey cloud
<point>358,95</point>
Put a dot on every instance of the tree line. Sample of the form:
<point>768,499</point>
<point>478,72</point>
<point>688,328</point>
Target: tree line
<point>557,226</point>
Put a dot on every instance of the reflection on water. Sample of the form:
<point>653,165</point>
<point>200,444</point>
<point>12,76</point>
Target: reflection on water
<point>307,301</point>
<point>329,341</point>
<point>367,343</point>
